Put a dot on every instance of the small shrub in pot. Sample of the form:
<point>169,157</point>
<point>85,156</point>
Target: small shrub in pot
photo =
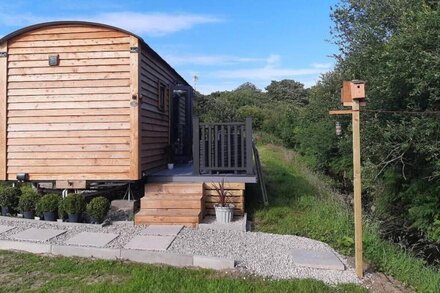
<point>48,206</point>
<point>9,196</point>
<point>73,205</point>
<point>97,209</point>
<point>28,202</point>
<point>224,212</point>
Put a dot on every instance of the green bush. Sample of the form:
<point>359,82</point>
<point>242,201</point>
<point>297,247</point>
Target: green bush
<point>48,203</point>
<point>9,196</point>
<point>72,204</point>
<point>98,208</point>
<point>28,201</point>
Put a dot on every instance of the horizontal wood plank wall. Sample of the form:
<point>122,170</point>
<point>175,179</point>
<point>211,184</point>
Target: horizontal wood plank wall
<point>3,111</point>
<point>155,123</point>
<point>236,197</point>
<point>70,121</point>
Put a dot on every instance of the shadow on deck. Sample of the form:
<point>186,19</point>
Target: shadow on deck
<point>185,173</point>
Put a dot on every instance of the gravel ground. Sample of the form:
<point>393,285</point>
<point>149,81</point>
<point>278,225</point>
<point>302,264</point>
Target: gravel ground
<point>261,254</point>
<point>256,253</point>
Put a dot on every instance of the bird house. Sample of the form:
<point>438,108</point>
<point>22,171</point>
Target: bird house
<point>353,90</point>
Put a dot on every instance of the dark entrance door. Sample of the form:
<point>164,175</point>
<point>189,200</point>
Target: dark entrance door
<point>181,121</point>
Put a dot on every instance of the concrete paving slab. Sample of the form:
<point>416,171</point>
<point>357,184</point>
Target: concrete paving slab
<point>25,246</point>
<point>162,230</point>
<point>172,259</point>
<point>5,228</point>
<point>317,259</point>
<point>94,239</point>
<point>81,251</point>
<point>211,262</point>
<point>35,234</point>
<point>150,242</point>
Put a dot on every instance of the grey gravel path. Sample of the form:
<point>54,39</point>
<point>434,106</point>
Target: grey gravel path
<point>261,254</point>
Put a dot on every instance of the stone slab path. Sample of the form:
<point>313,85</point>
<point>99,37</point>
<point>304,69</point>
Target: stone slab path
<point>317,259</point>
<point>94,239</point>
<point>5,228</point>
<point>256,253</point>
<point>40,235</point>
<point>162,230</point>
<point>150,242</point>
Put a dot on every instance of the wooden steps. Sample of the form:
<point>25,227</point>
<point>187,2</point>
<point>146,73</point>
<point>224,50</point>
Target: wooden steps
<point>172,203</point>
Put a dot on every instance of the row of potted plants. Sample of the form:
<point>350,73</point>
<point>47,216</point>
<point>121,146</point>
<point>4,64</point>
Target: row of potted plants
<point>49,206</point>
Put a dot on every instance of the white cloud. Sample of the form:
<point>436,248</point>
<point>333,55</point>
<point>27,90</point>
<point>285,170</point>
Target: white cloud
<point>267,73</point>
<point>209,59</point>
<point>156,24</point>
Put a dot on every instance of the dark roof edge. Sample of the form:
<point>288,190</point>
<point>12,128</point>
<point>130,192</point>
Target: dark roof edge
<point>40,25</point>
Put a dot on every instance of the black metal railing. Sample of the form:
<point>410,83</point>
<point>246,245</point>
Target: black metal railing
<point>222,148</point>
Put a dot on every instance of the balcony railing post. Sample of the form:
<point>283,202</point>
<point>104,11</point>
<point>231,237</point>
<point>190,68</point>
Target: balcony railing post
<point>248,130</point>
<point>196,146</point>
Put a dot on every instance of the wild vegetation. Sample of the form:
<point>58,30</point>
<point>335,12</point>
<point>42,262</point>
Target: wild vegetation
<point>393,46</point>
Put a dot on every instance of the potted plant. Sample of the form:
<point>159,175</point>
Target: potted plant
<point>9,196</point>
<point>73,205</point>
<point>48,206</point>
<point>97,209</point>
<point>169,152</point>
<point>224,212</point>
<point>27,203</point>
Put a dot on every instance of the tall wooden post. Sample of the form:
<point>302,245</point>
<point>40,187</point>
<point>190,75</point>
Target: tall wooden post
<point>353,94</point>
<point>357,188</point>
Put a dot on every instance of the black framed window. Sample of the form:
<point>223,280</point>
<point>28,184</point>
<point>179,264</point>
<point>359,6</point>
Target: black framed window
<point>162,95</point>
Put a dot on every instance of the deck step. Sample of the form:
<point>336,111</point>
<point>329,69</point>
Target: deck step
<point>150,203</point>
<point>172,203</point>
<point>175,188</point>
<point>187,217</point>
<point>174,196</point>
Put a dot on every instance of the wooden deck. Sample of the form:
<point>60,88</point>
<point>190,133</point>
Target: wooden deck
<point>185,173</point>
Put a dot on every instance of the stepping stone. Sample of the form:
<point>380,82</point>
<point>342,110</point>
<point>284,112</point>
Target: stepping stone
<point>150,242</point>
<point>4,228</point>
<point>35,234</point>
<point>162,230</point>
<point>317,259</point>
<point>91,239</point>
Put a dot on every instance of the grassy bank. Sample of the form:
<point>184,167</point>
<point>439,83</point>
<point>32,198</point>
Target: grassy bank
<point>26,272</point>
<point>301,203</point>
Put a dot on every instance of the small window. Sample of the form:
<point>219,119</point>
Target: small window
<point>162,95</point>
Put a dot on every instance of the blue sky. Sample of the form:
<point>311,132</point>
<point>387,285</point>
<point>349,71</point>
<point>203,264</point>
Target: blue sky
<point>224,43</point>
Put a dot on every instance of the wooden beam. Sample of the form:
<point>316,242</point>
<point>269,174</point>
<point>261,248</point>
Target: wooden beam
<point>357,188</point>
<point>3,108</point>
<point>135,145</point>
<point>340,112</point>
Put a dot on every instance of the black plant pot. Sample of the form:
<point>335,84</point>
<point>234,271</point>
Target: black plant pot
<point>74,218</point>
<point>49,216</point>
<point>94,220</point>
<point>5,211</point>
<point>29,215</point>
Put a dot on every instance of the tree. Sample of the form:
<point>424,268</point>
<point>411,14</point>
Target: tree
<point>287,90</point>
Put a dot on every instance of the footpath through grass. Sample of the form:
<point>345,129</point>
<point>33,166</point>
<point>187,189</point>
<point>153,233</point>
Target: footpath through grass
<point>301,203</point>
<point>23,272</point>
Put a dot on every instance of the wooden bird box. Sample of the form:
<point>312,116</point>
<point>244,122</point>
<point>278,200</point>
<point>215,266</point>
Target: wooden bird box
<point>353,90</point>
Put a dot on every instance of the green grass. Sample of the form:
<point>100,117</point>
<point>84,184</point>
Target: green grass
<point>27,272</point>
<point>301,203</point>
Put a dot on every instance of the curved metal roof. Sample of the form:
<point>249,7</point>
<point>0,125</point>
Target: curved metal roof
<point>69,22</point>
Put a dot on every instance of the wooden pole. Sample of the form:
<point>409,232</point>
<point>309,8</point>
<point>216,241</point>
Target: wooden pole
<point>357,188</point>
